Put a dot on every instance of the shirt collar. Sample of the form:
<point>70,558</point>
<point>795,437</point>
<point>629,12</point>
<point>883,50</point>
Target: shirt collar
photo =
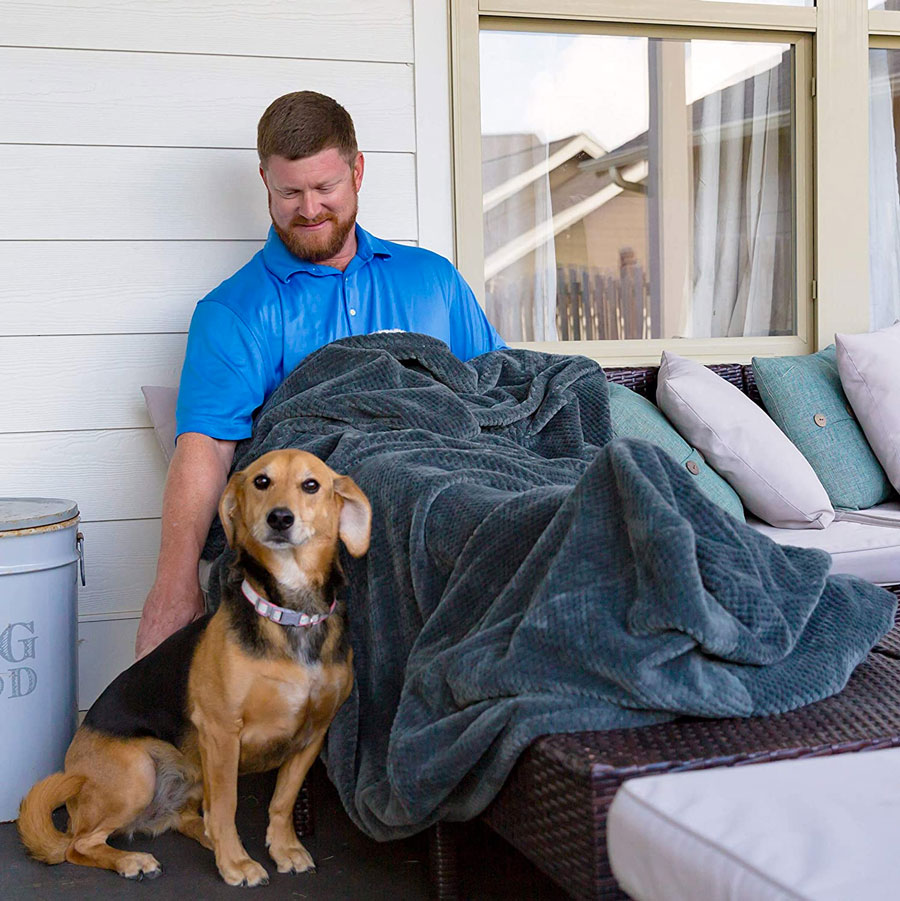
<point>283,264</point>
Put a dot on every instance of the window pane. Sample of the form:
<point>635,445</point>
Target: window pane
<point>884,194</point>
<point>637,188</point>
<point>770,2</point>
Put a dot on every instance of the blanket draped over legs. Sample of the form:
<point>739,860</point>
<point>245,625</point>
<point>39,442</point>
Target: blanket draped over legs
<point>528,574</point>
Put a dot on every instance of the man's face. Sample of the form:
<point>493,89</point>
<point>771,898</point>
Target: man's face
<point>313,202</point>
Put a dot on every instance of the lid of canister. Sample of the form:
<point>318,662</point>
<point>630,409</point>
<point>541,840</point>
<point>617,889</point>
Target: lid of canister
<point>34,512</point>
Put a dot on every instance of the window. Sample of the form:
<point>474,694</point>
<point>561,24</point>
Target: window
<point>884,192</point>
<point>772,2</point>
<point>633,175</point>
<point>637,187</point>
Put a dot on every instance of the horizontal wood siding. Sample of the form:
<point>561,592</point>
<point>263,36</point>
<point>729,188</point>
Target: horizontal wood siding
<point>110,287</point>
<point>337,29</point>
<point>58,193</point>
<point>120,566</point>
<point>130,189</point>
<point>106,394</point>
<point>105,648</point>
<point>113,474</point>
<point>87,97</point>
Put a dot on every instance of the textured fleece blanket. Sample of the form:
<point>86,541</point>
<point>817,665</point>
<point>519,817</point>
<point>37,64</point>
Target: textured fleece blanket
<point>528,574</point>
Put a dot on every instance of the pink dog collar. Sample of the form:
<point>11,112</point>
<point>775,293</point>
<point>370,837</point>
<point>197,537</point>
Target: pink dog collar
<point>282,615</point>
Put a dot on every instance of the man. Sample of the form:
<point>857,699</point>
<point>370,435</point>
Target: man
<point>319,277</point>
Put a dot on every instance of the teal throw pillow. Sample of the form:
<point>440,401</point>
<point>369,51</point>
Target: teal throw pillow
<point>805,398</point>
<point>633,416</point>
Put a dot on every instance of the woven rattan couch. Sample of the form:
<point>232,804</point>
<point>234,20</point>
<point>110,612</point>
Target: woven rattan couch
<point>554,805</point>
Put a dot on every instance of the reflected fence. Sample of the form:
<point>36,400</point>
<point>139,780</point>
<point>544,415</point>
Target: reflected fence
<point>602,304</point>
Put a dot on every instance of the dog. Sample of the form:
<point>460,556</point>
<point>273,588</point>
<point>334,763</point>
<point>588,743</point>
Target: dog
<point>249,688</point>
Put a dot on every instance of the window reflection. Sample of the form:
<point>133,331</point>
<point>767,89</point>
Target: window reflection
<point>637,188</point>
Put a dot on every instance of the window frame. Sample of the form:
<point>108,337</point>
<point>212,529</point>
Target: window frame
<point>831,148</point>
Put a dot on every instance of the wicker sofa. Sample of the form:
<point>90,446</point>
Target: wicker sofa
<point>554,805</point>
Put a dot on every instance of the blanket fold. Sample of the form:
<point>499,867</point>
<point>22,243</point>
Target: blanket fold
<point>528,574</point>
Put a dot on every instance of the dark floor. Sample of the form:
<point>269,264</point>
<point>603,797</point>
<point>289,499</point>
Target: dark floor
<point>349,866</point>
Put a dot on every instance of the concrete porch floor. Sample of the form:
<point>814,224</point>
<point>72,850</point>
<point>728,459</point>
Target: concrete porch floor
<point>349,865</point>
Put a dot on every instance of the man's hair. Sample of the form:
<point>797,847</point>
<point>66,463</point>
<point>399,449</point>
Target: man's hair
<point>302,124</point>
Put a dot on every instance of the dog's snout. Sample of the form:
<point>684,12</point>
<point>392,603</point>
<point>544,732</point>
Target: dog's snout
<point>280,519</point>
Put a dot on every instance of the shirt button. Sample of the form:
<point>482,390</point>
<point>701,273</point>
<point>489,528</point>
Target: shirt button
<point>353,312</point>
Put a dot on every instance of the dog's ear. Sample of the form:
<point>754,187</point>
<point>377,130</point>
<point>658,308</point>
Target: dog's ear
<point>228,506</point>
<point>355,524</point>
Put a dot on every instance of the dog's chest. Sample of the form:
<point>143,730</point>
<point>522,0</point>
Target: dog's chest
<point>285,709</point>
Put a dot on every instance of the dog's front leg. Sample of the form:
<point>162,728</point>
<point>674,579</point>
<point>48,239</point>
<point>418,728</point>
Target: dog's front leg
<point>284,846</point>
<point>219,755</point>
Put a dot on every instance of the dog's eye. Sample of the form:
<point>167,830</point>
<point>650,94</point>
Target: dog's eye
<point>310,486</point>
<point>262,482</point>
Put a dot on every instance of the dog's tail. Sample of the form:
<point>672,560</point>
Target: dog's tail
<point>35,824</point>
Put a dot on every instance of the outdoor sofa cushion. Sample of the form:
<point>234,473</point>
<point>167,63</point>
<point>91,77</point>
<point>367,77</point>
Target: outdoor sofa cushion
<point>743,445</point>
<point>822,828</point>
<point>867,546</point>
<point>803,395</point>
<point>633,416</point>
<point>869,367</point>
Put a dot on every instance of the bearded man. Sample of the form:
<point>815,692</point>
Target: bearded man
<point>319,277</point>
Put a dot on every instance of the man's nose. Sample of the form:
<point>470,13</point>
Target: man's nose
<point>309,207</point>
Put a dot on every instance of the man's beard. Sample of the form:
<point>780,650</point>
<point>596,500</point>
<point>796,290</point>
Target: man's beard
<point>316,246</point>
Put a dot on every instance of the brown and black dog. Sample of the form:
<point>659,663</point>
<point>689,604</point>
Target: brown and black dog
<point>252,687</point>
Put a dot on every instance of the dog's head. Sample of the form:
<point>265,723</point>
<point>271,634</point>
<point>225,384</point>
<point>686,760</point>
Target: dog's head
<point>290,499</point>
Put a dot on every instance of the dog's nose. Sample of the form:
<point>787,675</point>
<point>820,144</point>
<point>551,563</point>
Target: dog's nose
<point>280,519</point>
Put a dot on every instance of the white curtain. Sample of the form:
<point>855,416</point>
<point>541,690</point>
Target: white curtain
<point>884,197</point>
<point>520,299</point>
<point>743,253</point>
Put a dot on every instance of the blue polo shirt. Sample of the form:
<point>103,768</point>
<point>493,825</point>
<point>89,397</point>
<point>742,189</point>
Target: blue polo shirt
<point>251,331</point>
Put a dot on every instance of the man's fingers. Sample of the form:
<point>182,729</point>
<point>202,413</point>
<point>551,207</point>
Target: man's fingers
<point>160,619</point>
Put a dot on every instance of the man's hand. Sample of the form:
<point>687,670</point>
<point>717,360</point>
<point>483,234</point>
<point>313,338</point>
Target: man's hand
<point>165,612</point>
<point>194,484</point>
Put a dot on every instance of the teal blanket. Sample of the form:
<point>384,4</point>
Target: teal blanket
<point>528,574</point>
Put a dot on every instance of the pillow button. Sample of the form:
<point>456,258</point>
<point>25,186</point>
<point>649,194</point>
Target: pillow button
<point>820,420</point>
<point>692,468</point>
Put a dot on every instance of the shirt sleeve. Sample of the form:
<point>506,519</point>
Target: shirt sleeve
<point>471,333</point>
<point>223,379</point>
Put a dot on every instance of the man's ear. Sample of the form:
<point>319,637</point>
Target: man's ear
<point>359,166</point>
<point>229,509</point>
<point>355,523</point>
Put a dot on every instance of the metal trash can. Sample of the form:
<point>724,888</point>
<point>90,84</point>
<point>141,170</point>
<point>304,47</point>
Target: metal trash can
<point>40,551</point>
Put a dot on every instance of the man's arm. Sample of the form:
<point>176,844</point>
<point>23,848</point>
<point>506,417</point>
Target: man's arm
<point>196,479</point>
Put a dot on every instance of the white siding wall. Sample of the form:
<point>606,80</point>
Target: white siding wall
<point>128,189</point>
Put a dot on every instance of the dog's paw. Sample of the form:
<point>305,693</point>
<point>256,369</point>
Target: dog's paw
<point>244,872</point>
<point>292,858</point>
<point>138,866</point>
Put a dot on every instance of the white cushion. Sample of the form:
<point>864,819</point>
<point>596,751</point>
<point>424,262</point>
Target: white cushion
<point>862,543</point>
<point>738,439</point>
<point>823,828</point>
<point>869,366</point>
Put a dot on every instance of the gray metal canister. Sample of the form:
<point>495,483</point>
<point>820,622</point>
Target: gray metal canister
<point>40,549</point>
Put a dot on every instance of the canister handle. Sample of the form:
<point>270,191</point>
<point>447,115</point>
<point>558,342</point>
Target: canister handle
<point>79,546</point>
